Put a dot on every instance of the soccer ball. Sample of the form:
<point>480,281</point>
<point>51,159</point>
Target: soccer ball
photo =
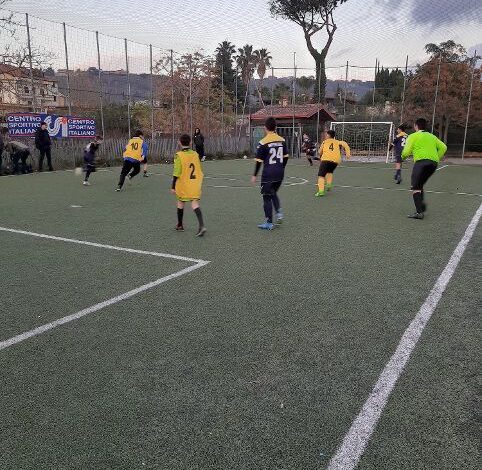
<point>245,157</point>
<point>78,171</point>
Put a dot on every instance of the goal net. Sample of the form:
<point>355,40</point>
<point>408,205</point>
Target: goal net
<point>368,141</point>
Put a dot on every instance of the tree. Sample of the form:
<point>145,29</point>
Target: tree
<point>313,16</point>
<point>262,60</point>
<point>448,51</point>
<point>454,83</point>
<point>306,87</point>
<point>246,62</point>
<point>224,56</point>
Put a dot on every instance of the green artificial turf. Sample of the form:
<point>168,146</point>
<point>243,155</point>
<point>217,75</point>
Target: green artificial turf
<point>259,360</point>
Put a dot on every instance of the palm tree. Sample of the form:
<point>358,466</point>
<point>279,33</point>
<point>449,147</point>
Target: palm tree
<point>263,62</point>
<point>246,62</point>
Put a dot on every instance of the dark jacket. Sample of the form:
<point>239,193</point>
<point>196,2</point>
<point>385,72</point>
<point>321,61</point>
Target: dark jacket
<point>42,139</point>
<point>198,140</point>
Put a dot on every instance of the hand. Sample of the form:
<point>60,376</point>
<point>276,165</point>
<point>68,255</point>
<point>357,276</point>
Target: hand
<point>253,180</point>
<point>173,191</point>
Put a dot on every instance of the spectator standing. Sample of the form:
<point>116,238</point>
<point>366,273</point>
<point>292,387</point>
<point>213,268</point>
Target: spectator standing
<point>43,144</point>
<point>199,143</point>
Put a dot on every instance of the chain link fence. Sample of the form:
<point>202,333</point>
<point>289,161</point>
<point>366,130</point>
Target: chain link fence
<point>125,85</point>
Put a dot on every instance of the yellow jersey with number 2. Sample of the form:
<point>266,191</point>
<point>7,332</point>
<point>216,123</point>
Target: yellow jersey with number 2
<point>189,173</point>
<point>133,149</point>
<point>330,150</point>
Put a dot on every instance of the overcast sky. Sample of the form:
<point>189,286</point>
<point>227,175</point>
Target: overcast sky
<point>367,29</point>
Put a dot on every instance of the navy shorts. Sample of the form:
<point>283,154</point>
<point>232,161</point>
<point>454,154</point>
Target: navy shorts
<point>270,188</point>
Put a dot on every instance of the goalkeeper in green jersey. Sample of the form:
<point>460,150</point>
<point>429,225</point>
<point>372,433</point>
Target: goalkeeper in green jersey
<point>427,151</point>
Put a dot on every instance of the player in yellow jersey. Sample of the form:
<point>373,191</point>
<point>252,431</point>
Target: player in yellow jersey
<point>187,183</point>
<point>133,156</point>
<point>330,156</point>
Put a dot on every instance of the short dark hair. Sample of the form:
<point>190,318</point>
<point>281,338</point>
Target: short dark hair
<point>421,123</point>
<point>138,134</point>
<point>331,133</point>
<point>402,127</point>
<point>270,124</point>
<point>185,140</point>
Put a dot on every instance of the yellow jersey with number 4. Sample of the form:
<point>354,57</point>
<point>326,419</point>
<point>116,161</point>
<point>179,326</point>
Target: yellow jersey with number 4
<point>189,173</point>
<point>330,150</point>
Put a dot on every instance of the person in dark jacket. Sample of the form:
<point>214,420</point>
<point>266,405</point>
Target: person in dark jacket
<point>43,144</point>
<point>19,153</point>
<point>89,158</point>
<point>199,143</point>
<point>2,146</point>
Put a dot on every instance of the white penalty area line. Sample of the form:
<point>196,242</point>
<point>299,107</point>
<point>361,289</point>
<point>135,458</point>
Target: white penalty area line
<point>106,303</point>
<point>358,436</point>
<point>441,167</point>
<point>100,245</point>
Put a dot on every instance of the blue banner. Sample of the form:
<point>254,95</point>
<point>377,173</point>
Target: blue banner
<point>25,125</point>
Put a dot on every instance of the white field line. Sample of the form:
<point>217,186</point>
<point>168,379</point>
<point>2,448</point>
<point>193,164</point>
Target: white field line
<point>100,245</point>
<point>405,190</point>
<point>95,308</point>
<point>441,167</point>
<point>356,439</point>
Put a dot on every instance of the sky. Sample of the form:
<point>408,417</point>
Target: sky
<point>367,30</point>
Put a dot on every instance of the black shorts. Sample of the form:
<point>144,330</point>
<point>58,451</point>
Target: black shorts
<point>270,188</point>
<point>422,171</point>
<point>326,167</point>
<point>398,159</point>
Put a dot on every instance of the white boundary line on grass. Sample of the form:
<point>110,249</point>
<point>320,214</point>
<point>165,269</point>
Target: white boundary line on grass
<point>106,303</point>
<point>358,436</point>
<point>441,167</point>
<point>100,245</point>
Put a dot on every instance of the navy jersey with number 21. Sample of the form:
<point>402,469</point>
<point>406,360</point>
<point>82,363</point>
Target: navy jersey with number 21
<point>271,152</point>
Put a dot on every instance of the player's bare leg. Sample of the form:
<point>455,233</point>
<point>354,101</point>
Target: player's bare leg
<point>329,181</point>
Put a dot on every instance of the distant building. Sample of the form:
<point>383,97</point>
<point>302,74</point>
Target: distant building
<point>16,93</point>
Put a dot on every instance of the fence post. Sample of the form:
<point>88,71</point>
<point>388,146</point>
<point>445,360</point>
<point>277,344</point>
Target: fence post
<point>209,100</point>
<point>101,91</point>
<point>32,81</point>
<point>404,90</point>
<point>128,90</point>
<point>344,102</point>
<point>272,90</point>
<point>294,106</point>
<point>173,137</point>
<point>222,107</point>
<point>236,109</point>
<point>469,103</point>
<point>373,106</point>
<point>436,92</point>
<point>191,130</point>
<point>318,72</point>
<point>69,100</point>
<point>152,91</point>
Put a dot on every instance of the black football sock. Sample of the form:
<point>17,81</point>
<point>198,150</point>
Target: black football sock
<point>268,208</point>
<point>311,161</point>
<point>199,216</point>
<point>398,174</point>
<point>276,202</point>
<point>87,174</point>
<point>418,200</point>
<point>180,215</point>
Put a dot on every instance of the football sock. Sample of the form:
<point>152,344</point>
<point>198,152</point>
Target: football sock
<point>398,174</point>
<point>321,184</point>
<point>311,161</point>
<point>276,202</point>
<point>268,208</point>
<point>199,216</point>
<point>87,174</point>
<point>329,179</point>
<point>180,214</point>
<point>418,201</point>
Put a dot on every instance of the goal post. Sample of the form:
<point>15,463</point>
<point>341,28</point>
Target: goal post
<point>368,141</point>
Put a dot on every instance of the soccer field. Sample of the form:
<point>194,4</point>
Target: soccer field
<point>126,345</point>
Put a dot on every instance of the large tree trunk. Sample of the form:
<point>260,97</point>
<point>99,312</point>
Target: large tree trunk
<point>446,130</point>
<point>320,85</point>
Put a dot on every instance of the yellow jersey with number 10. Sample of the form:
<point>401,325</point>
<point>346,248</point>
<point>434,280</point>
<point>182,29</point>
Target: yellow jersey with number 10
<point>330,150</point>
<point>133,149</point>
<point>188,170</point>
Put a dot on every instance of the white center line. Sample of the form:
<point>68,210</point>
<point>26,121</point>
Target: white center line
<point>358,436</point>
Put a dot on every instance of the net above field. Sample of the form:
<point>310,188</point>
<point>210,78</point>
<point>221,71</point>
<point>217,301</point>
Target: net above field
<point>369,141</point>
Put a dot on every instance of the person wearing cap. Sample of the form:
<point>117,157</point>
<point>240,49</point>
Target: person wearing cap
<point>43,144</point>
<point>427,151</point>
